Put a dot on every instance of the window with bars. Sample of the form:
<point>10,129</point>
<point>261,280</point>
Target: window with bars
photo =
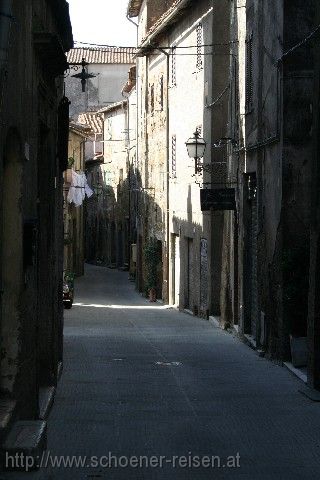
<point>174,156</point>
<point>174,66</point>
<point>249,73</point>
<point>199,45</point>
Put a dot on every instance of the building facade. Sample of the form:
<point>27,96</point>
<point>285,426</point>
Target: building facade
<point>179,82</point>
<point>266,257</point>
<point>107,218</point>
<point>34,139</point>
<point>242,75</point>
<point>110,67</point>
<point>74,232</point>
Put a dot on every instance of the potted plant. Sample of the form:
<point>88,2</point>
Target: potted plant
<point>151,255</point>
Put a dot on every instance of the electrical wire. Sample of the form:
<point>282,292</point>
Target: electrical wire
<point>300,44</point>
<point>172,49</point>
<point>158,47</point>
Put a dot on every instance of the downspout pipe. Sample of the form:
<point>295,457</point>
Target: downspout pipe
<point>134,23</point>
<point>168,174</point>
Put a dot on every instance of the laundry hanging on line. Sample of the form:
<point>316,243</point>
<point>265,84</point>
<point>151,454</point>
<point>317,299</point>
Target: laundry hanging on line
<point>79,189</point>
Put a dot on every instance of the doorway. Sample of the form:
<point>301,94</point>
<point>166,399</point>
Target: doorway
<point>175,270</point>
<point>204,276</point>
<point>189,299</point>
<point>250,277</point>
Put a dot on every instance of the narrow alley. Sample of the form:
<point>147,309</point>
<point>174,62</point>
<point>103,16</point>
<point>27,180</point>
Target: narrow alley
<point>160,240</point>
<point>140,379</point>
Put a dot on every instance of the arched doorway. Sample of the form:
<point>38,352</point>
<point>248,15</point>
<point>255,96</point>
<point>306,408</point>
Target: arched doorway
<point>11,260</point>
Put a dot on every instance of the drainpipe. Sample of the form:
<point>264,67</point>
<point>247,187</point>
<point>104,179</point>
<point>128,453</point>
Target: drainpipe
<point>167,173</point>
<point>134,23</point>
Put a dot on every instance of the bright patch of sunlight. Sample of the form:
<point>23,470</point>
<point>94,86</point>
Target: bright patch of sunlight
<point>123,307</point>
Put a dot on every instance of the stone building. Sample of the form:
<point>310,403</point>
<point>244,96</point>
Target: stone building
<point>242,74</point>
<point>110,65</point>
<point>314,293</point>
<point>110,214</point>
<point>179,84</point>
<point>34,150</point>
<point>107,214</point>
<point>266,256</point>
<point>74,232</point>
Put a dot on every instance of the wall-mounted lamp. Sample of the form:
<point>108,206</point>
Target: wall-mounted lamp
<point>196,147</point>
<point>83,75</point>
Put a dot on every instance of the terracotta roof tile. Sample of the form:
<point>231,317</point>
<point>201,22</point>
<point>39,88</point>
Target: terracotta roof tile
<point>93,120</point>
<point>103,55</point>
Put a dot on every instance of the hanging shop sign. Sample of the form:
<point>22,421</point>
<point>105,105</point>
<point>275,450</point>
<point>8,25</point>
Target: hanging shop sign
<point>218,199</point>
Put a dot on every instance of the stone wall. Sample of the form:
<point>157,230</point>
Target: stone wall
<point>31,233</point>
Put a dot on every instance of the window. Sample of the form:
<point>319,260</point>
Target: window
<point>199,46</point>
<point>161,93</point>
<point>174,156</point>
<point>152,98</point>
<point>174,67</point>
<point>249,73</point>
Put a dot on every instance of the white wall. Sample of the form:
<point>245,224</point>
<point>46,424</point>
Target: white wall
<point>101,91</point>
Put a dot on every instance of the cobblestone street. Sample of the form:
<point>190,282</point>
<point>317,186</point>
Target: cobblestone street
<point>140,379</point>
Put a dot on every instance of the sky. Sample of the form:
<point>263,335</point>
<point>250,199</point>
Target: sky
<point>102,22</point>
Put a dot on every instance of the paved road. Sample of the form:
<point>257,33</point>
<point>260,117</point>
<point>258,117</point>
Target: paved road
<point>143,380</point>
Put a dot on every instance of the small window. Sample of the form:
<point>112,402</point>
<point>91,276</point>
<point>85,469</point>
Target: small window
<point>174,67</point>
<point>161,93</point>
<point>174,156</point>
<point>199,46</point>
<point>249,73</point>
<point>152,99</point>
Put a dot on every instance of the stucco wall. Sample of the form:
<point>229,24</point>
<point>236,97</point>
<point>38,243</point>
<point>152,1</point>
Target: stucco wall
<point>101,91</point>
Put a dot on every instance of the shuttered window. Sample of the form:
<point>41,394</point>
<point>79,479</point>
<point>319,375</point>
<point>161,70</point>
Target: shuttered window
<point>249,73</point>
<point>174,67</point>
<point>199,46</point>
<point>161,93</point>
<point>152,99</point>
<point>174,156</point>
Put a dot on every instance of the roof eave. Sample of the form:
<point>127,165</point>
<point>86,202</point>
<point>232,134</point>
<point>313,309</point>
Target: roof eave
<point>114,106</point>
<point>165,23</point>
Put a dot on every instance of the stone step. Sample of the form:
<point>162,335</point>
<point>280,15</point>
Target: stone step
<point>24,445</point>
<point>6,411</point>
<point>46,399</point>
